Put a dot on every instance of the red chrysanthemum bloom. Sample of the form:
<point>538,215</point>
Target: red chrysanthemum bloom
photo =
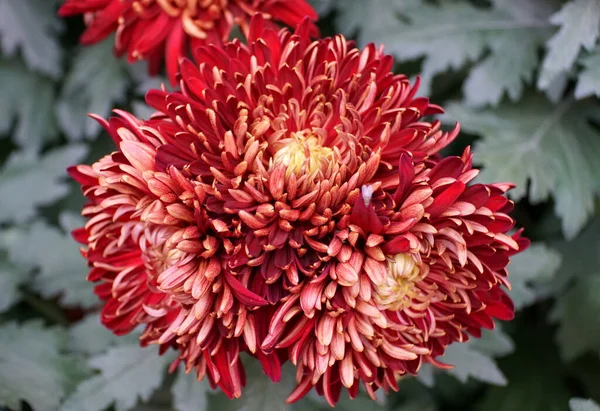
<point>290,202</point>
<point>157,30</point>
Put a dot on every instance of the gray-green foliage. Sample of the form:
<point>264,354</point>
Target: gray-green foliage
<point>534,377</point>
<point>580,404</point>
<point>545,150</point>
<point>29,180</point>
<point>474,360</point>
<point>126,373</point>
<point>34,368</point>
<point>500,41</point>
<point>495,343</point>
<point>579,22</point>
<point>580,257</point>
<point>576,313</point>
<point>61,271</point>
<point>11,278</point>
<point>322,6</point>
<point>28,104</point>
<point>31,27</point>
<point>94,84</point>
<point>260,393</point>
<point>499,44</point>
<point>471,363</point>
<point>588,83</point>
<point>90,337</point>
<point>188,393</point>
<point>535,265</point>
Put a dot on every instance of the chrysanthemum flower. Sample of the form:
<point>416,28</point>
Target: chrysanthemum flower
<point>164,30</point>
<point>290,202</point>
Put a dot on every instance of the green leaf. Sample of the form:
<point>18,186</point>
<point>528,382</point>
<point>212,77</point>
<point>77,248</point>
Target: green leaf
<point>426,375</point>
<point>11,277</point>
<point>513,55</point>
<point>529,10</point>
<point>555,92</point>
<point>359,15</point>
<point>141,109</point>
<point>189,394</point>
<point>536,264</point>
<point>414,405</point>
<point>469,362</point>
<point>588,83</point>
<point>62,271</point>
<point>494,343</point>
<point>535,376</point>
<point>28,101</point>
<point>585,372</point>
<point>32,27</point>
<point>126,373</point>
<point>580,257</point>
<point>260,393</point>
<point>90,337</point>
<point>545,150</point>
<point>580,404</point>
<point>160,401</point>
<point>512,61</point>
<point>33,367</point>
<point>95,84</point>
<point>452,34</point>
<point>579,22</point>
<point>151,407</point>
<point>577,314</point>
<point>361,402</point>
<point>413,396</point>
<point>449,390</point>
<point>143,81</point>
<point>323,7</point>
<point>473,359</point>
<point>34,181</point>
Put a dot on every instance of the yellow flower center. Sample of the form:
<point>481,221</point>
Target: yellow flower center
<point>399,288</point>
<point>303,154</point>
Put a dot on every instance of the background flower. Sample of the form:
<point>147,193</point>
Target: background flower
<point>163,30</point>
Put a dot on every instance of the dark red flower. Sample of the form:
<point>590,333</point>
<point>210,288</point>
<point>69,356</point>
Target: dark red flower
<point>290,202</point>
<point>163,30</point>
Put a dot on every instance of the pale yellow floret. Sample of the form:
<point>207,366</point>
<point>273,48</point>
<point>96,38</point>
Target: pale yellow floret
<point>303,155</point>
<point>400,284</point>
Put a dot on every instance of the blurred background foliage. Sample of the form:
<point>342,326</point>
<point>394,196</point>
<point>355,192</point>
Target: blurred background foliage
<point>522,77</point>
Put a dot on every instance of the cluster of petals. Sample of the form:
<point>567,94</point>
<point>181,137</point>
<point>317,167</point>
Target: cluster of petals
<point>165,30</point>
<point>289,202</point>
